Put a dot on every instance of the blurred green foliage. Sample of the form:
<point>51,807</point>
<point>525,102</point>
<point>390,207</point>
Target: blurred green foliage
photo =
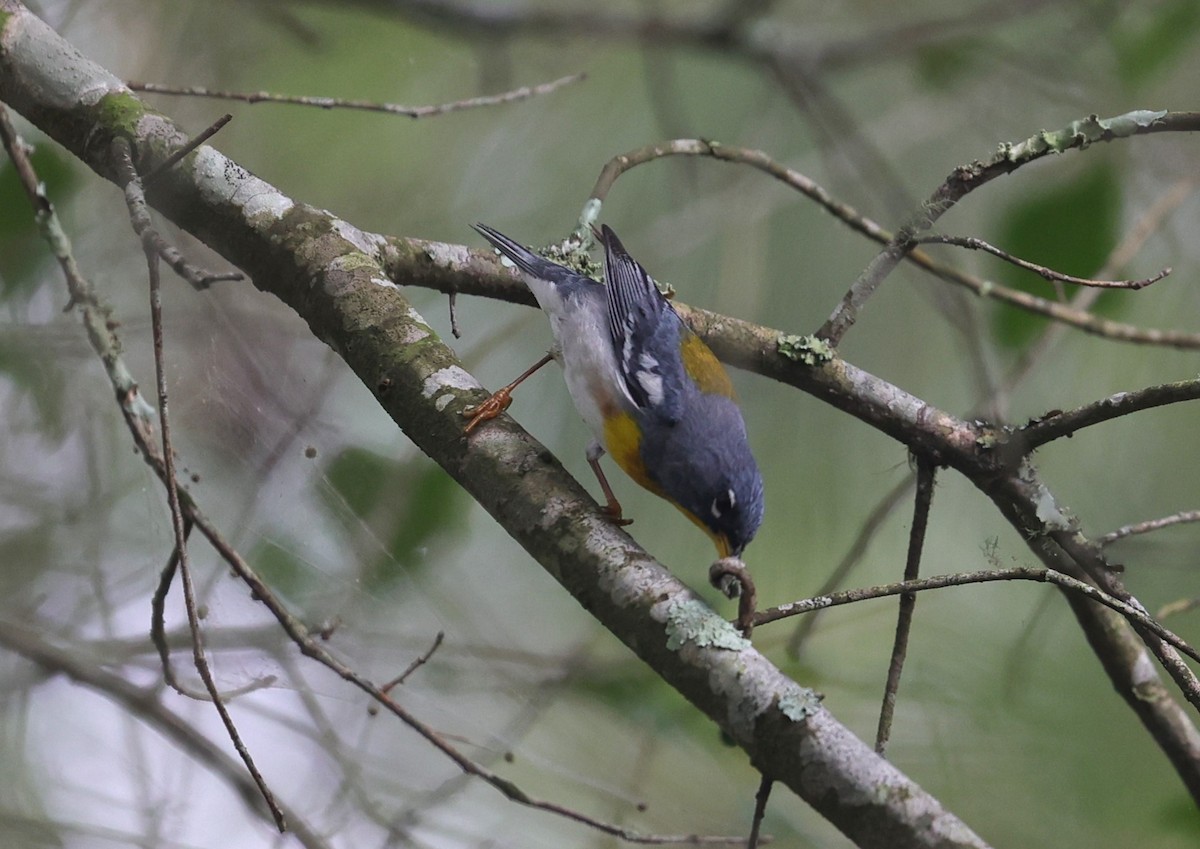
<point>22,250</point>
<point>407,505</point>
<point>284,572</point>
<point>1069,227</point>
<point>943,66</point>
<point>1153,37</point>
<point>37,378</point>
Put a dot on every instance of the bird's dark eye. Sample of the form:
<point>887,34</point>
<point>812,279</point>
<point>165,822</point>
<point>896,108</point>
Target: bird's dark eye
<point>723,503</point>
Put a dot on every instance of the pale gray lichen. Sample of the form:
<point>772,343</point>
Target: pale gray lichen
<point>369,243</point>
<point>1130,122</point>
<point>221,180</point>
<point>589,215</point>
<point>690,620</point>
<point>446,255</point>
<point>799,703</point>
<point>451,377</point>
<point>1049,513</point>
<point>380,280</point>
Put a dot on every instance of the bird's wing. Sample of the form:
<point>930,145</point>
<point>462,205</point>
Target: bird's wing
<point>646,333</point>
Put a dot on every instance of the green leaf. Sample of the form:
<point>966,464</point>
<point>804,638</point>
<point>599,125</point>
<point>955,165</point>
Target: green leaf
<point>1070,227</point>
<point>430,507</point>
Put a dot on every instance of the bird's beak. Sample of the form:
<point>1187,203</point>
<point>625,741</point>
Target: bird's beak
<point>723,547</point>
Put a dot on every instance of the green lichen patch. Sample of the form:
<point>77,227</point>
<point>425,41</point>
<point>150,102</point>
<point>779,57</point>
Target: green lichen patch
<point>1079,134</point>
<point>805,349</point>
<point>121,111</point>
<point>575,258</point>
<point>692,621</point>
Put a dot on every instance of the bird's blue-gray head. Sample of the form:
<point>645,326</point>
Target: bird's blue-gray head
<point>704,465</point>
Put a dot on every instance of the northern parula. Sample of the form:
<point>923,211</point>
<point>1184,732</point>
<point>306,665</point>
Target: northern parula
<point>654,395</point>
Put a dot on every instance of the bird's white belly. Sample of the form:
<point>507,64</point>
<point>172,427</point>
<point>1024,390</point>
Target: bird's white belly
<point>590,370</point>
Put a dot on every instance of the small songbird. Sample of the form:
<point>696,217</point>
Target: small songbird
<point>654,395</point>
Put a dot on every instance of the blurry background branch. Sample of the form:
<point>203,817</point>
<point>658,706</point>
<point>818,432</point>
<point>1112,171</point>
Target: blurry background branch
<point>146,706</point>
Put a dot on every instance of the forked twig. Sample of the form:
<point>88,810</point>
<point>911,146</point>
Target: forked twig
<point>151,245</point>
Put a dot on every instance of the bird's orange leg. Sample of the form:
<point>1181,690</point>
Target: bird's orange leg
<point>499,400</point>
<point>612,509</point>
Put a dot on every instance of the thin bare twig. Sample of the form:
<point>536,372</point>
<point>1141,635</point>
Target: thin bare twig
<point>452,298</point>
<point>1124,252</point>
<point>158,637</point>
<point>177,157</point>
<point>151,245</point>
<point>1174,608</point>
<point>523,93</point>
<point>757,159</point>
<point>966,178</point>
<point>1072,315</point>
<point>976,244</point>
<point>1048,428</point>
<point>926,471</point>
<point>1089,558</point>
<point>760,811</point>
<point>1133,613</point>
<point>143,225</point>
<point>1149,525</point>
<point>420,661</point>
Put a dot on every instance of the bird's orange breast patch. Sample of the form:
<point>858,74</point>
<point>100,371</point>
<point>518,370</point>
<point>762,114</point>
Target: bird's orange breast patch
<point>623,440</point>
<point>704,368</point>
